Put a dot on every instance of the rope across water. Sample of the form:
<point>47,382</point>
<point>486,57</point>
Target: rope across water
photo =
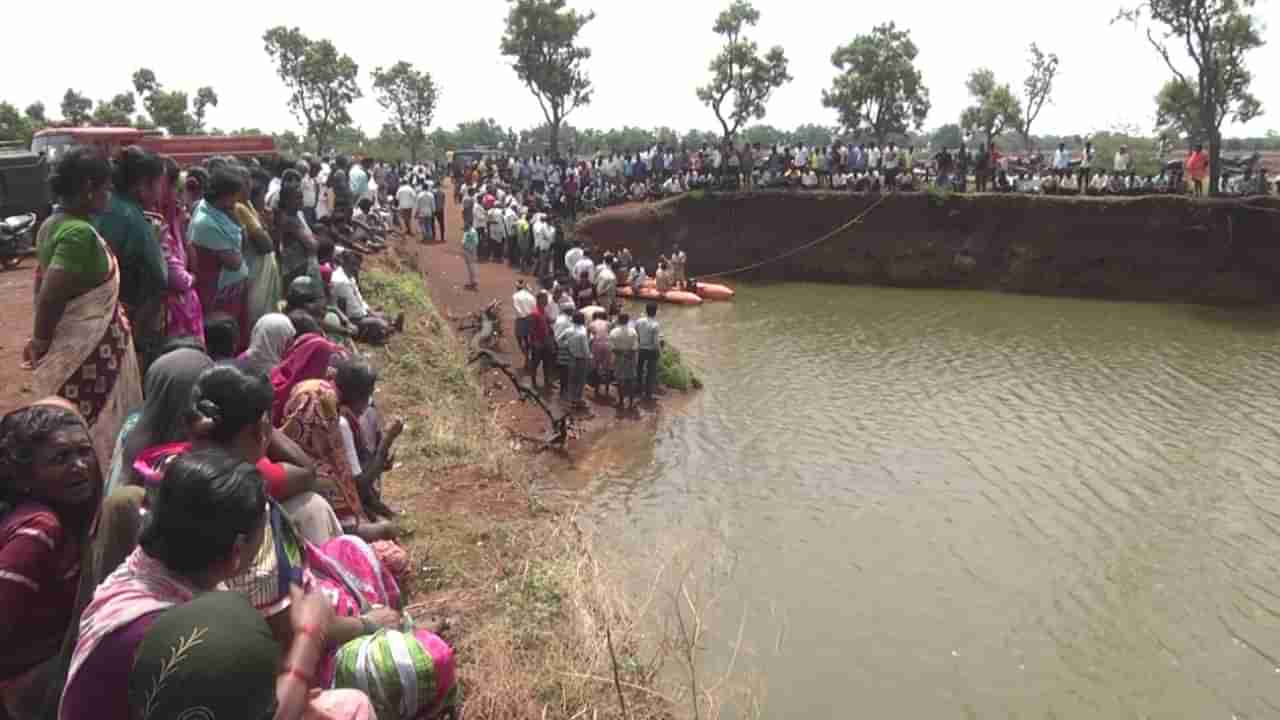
<point>857,219</point>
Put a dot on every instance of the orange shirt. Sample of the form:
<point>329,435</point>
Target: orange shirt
<point>1197,165</point>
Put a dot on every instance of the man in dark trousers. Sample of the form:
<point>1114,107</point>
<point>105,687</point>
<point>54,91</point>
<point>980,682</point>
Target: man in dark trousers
<point>649,333</point>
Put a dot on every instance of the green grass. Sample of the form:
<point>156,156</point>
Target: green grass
<point>674,372</point>
<point>425,378</point>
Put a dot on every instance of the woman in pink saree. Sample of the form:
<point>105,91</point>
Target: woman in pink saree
<point>184,317</point>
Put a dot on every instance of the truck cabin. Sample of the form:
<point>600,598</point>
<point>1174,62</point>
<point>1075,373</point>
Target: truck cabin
<point>187,150</point>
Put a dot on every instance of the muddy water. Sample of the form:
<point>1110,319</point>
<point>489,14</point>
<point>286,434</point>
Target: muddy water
<point>979,505</point>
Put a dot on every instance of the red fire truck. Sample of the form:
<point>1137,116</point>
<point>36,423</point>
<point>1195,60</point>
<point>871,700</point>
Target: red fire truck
<point>187,150</point>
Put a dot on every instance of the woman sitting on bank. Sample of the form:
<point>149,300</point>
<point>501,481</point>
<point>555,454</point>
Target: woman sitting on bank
<point>228,410</point>
<point>162,418</point>
<point>268,343</point>
<point>235,649</point>
<point>206,527</point>
<point>311,418</point>
<point>50,489</point>
<point>81,346</point>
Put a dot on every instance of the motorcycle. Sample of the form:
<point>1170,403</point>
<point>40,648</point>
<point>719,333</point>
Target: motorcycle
<point>17,240</point>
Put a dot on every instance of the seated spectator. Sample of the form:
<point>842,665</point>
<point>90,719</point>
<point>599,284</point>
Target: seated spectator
<point>305,296</point>
<point>227,410</point>
<point>205,527</point>
<point>311,418</point>
<point>368,449</point>
<point>371,326</point>
<point>235,649</point>
<point>221,335</point>
<point>163,415</point>
<point>50,489</point>
<point>269,341</point>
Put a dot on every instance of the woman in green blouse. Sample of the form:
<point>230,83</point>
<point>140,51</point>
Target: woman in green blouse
<point>81,347</point>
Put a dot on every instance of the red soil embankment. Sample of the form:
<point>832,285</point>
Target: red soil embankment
<point>1148,248</point>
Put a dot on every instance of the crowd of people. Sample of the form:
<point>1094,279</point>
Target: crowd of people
<point>191,521</point>
<point>565,187</point>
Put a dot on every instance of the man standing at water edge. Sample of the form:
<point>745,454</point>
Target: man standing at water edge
<point>649,338</point>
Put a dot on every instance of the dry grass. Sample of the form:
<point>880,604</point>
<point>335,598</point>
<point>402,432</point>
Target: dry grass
<point>550,627</point>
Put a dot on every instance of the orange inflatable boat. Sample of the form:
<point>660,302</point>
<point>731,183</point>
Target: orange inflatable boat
<point>678,297</point>
<point>707,291</point>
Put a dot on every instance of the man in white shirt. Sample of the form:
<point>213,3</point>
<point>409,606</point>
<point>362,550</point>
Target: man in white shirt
<point>509,220</point>
<point>371,326</point>
<point>497,232</point>
<point>584,265</point>
<point>606,287</point>
<point>1123,161</point>
<point>406,200</point>
<point>523,302</point>
<point>311,193</point>
<point>425,205</point>
<point>571,259</point>
<point>1061,161</point>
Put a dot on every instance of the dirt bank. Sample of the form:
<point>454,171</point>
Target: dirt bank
<point>1149,248</point>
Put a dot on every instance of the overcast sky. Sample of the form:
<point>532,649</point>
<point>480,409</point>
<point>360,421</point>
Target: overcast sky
<point>648,57</point>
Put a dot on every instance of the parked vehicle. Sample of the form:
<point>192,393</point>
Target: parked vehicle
<point>24,182</point>
<point>17,239</point>
<point>187,150</point>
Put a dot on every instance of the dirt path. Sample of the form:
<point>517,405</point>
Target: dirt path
<point>445,276</point>
<point>15,328</point>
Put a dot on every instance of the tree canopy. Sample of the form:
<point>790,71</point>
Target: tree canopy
<point>879,91</point>
<point>409,97</point>
<point>1036,90</point>
<point>741,79</point>
<point>995,108</point>
<point>75,107</point>
<point>172,110</point>
<point>540,41</point>
<point>116,111</point>
<point>322,82</point>
<point>1216,35</point>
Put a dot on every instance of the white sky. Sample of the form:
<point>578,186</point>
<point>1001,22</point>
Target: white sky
<point>648,57</point>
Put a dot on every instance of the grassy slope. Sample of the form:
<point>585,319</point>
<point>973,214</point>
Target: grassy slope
<point>531,599</point>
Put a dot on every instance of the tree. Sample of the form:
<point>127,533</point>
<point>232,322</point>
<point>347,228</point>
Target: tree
<point>741,72</point>
<point>1036,90</point>
<point>813,135</point>
<point>116,111</point>
<point>1216,34</point>
<point>14,125</point>
<point>322,82</point>
<point>539,39</point>
<point>409,97</point>
<point>35,113</point>
<point>1178,110</point>
<point>947,136</point>
<point>995,109</point>
<point>169,108</point>
<point>879,90</point>
<point>75,107</point>
<point>485,132</point>
<point>205,97</point>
